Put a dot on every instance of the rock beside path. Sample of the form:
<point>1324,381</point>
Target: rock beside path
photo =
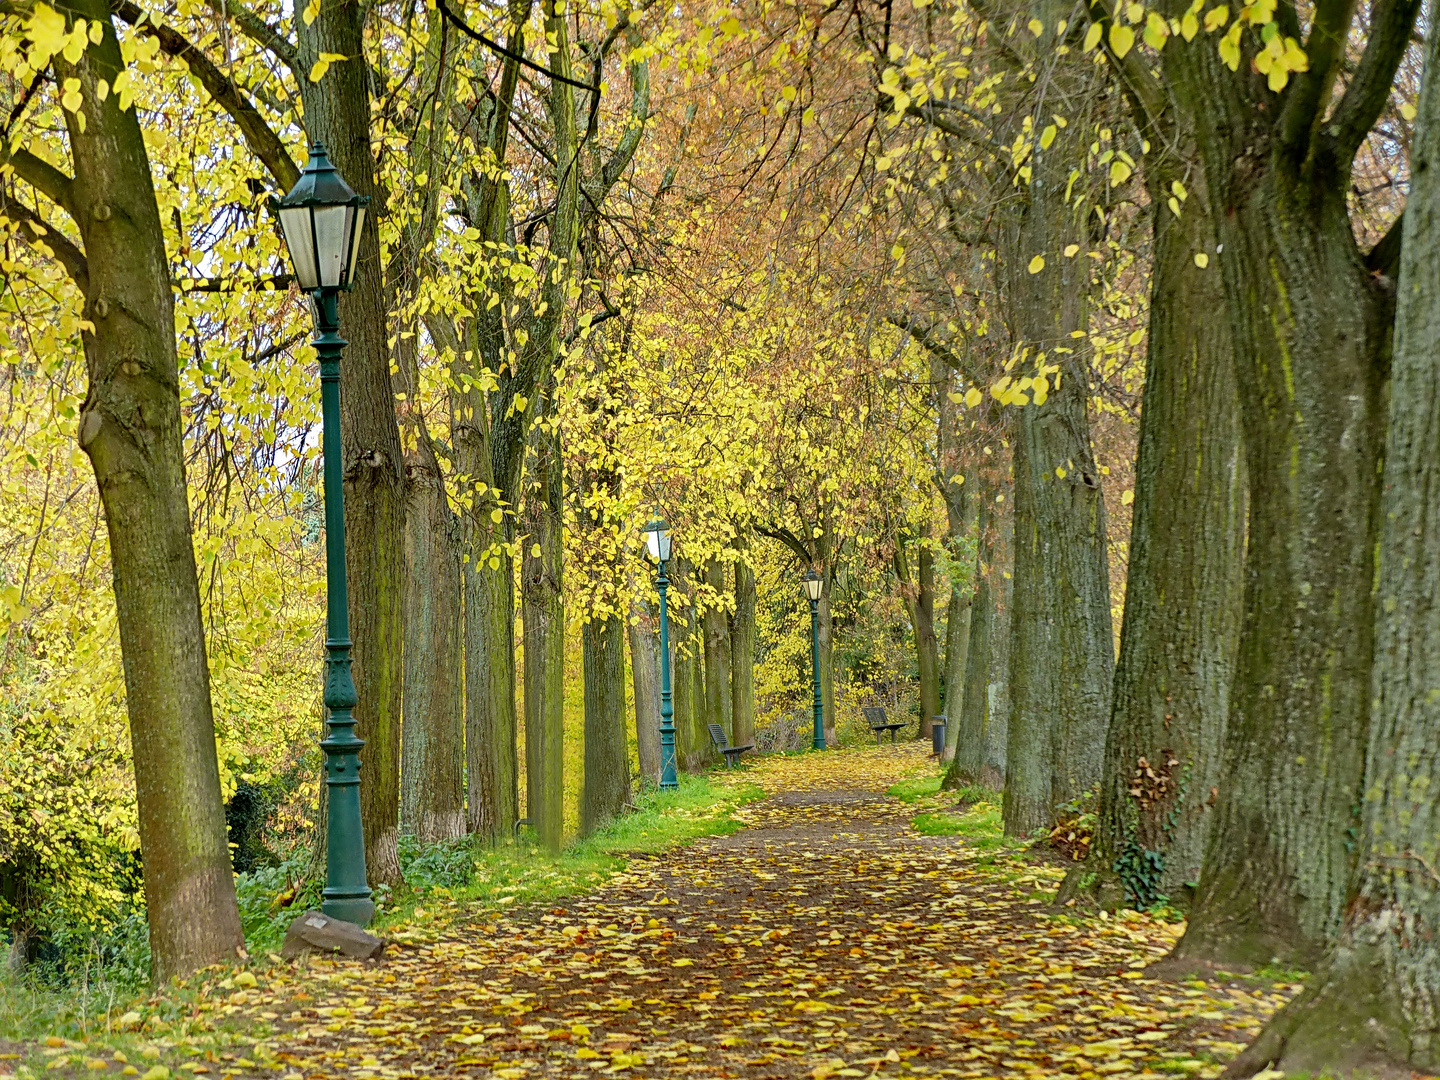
<point>315,931</point>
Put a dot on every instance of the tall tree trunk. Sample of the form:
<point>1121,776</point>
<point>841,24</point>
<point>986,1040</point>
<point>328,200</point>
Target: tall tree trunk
<point>607,754</point>
<point>1062,650</point>
<point>742,657</point>
<point>130,427</point>
<point>1184,589</point>
<point>432,735</point>
<point>645,675</point>
<point>919,594</point>
<point>542,613</point>
<point>957,659</point>
<point>953,490</point>
<point>717,652</point>
<point>970,713</point>
<point>433,738</point>
<point>997,693</point>
<point>1310,324</point>
<point>1374,1007</point>
<point>337,112</point>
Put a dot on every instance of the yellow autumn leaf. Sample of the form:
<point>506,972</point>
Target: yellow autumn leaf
<point>70,96</point>
<point>1157,30</point>
<point>1202,260</point>
<point>1127,497</point>
<point>1071,250</point>
<point>1047,136</point>
<point>46,30</point>
<point>1216,17</point>
<point>1189,26</point>
<point>1092,37</point>
<point>1036,27</point>
<point>1122,38</point>
<point>973,397</point>
<point>1037,264</point>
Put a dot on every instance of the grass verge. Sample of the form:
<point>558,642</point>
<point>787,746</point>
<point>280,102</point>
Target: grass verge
<point>98,1023</point>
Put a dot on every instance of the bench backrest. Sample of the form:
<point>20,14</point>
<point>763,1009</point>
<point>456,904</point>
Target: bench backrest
<point>875,715</point>
<point>717,736</point>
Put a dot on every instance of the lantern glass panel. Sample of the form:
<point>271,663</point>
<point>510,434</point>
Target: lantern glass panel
<point>330,243</point>
<point>295,221</point>
<point>357,229</point>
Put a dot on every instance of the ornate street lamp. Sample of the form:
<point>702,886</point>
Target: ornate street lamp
<point>658,539</point>
<point>322,219</point>
<point>813,583</point>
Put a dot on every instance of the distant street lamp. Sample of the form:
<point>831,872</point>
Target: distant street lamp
<point>322,219</point>
<point>658,539</point>
<point>813,583</point>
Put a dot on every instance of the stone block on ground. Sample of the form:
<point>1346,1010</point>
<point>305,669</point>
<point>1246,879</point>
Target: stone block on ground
<point>315,931</point>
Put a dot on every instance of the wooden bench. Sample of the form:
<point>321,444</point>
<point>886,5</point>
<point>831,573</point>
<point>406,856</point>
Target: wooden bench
<point>717,736</point>
<point>880,723</point>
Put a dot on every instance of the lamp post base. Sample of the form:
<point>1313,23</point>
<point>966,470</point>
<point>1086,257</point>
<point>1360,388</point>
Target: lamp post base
<point>352,909</point>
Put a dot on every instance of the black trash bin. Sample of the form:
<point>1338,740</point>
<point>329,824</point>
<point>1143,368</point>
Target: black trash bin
<point>937,733</point>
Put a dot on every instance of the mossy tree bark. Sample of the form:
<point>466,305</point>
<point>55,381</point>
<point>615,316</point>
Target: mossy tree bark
<point>1184,588</point>
<point>1311,323</point>
<point>432,783</point>
<point>645,675</point>
<point>917,586</point>
<point>716,623</point>
<point>130,428</point>
<point>432,736</point>
<point>971,715</point>
<point>1374,1006</point>
<point>742,657</point>
<point>1062,651</point>
<point>542,613</point>
<point>607,755</point>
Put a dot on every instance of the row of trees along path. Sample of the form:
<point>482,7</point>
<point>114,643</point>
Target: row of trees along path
<point>827,938</point>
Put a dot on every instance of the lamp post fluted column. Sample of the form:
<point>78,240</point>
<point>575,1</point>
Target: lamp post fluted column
<point>347,895</point>
<point>668,780</point>
<point>819,704</point>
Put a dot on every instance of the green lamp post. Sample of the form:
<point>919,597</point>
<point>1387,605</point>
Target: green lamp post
<point>813,583</point>
<point>322,219</point>
<point>658,540</point>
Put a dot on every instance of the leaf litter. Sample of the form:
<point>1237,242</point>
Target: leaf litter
<point>827,938</point>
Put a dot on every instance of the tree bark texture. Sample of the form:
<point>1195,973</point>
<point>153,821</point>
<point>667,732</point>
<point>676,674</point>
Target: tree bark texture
<point>1311,328</point>
<point>337,112</point>
<point>742,657</point>
<point>130,427</point>
<point>1375,1004</point>
<point>970,713</point>
<point>645,676</point>
<point>542,613</point>
<point>1185,584</point>
<point>957,660</point>
<point>716,620</point>
<point>607,755</point>
<point>1062,651</point>
<point>919,593</point>
<point>432,783</point>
